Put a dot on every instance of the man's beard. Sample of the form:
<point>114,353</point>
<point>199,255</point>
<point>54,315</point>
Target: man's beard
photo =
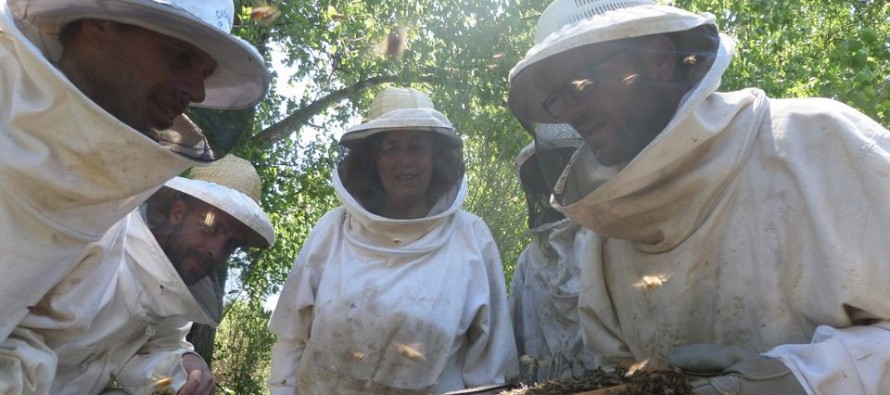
<point>178,256</point>
<point>583,175</point>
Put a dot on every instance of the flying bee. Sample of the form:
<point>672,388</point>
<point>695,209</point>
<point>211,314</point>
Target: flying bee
<point>264,13</point>
<point>394,44</point>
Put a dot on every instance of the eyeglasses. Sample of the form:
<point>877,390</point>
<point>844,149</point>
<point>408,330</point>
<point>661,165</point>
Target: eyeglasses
<point>580,87</point>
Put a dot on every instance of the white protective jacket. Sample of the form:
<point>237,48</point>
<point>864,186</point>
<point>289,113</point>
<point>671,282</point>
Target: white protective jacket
<point>381,306</point>
<point>749,221</point>
<point>122,314</point>
<point>68,172</point>
<point>544,301</point>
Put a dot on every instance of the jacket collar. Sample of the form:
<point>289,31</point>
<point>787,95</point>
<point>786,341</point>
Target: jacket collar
<point>669,189</point>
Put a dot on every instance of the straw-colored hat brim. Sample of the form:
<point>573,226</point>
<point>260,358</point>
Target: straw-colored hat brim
<point>232,202</point>
<point>416,119</point>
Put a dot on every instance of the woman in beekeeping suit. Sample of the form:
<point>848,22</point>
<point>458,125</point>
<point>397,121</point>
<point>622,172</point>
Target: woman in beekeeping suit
<point>398,291</point>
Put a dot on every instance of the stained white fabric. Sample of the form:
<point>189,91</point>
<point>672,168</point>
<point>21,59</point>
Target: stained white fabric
<point>381,306</point>
<point>121,314</point>
<point>68,172</point>
<point>544,301</point>
<point>749,221</point>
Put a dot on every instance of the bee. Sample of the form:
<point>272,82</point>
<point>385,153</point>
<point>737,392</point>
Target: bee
<point>264,13</point>
<point>394,44</point>
<point>410,351</point>
<point>161,386</point>
<point>637,366</point>
<point>652,282</point>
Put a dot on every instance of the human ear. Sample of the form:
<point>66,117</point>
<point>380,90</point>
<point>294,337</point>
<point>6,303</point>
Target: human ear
<point>178,210</point>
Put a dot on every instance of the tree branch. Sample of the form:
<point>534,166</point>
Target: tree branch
<point>292,122</point>
<point>295,120</point>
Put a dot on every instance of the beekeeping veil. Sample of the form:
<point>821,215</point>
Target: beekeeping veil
<point>567,25</point>
<point>537,183</point>
<point>232,185</point>
<point>395,109</point>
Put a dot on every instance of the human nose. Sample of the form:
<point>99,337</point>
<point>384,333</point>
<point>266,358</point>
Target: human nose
<point>571,108</point>
<point>405,157</point>
<point>216,249</point>
<point>192,85</point>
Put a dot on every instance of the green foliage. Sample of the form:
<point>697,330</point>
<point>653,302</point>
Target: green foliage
<point>800,48</point>
<point>243,351</point>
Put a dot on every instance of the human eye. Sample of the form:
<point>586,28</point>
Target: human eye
<point>209,225</point>
<point>210,229</point>
<point>179,57</point>
<point>418,147</point>
<point>389,149</point>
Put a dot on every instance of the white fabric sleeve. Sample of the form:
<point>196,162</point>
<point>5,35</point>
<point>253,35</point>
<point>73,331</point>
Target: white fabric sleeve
<point>160,357</point>
<point>27,365</point>
<point>291,322</point>
<point>491,355</point>
<point>854,360</point>
<point>515,300</point>
<point>292,319</point>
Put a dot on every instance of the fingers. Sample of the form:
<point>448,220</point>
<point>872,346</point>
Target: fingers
<point>198,383</point>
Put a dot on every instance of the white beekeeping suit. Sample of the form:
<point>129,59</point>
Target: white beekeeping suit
<point>747,221</point>
<point>546,281</point>
<point>375,305</point>
<point>69,169</point>
<point>123,313</point>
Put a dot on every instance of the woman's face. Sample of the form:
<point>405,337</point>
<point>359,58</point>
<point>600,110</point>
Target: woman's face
<point>404,165</point>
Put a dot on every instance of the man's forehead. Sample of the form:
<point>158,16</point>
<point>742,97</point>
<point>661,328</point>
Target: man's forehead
<point>211,64</point>
<point>559,67</point>
<point>217,214</point>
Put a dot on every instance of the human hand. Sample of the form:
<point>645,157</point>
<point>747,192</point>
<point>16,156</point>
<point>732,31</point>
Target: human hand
<point>200,379</point>
<point>732,370</point>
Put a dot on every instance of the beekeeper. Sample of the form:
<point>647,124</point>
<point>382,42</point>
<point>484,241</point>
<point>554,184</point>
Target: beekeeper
<point>122,314</point>
<point>398,291</point>
<point>91,100</point>
<point>736,235</point>
<point>546,279</point>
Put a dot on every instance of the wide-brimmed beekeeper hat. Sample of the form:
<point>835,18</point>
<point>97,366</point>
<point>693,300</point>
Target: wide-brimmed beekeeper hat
<point>232,185</point>
<point>402,109</point>
<point>240,80</point>
<point>567,25</point>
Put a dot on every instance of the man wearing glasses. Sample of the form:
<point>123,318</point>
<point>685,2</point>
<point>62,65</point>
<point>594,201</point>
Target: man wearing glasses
<point>737,237</point>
